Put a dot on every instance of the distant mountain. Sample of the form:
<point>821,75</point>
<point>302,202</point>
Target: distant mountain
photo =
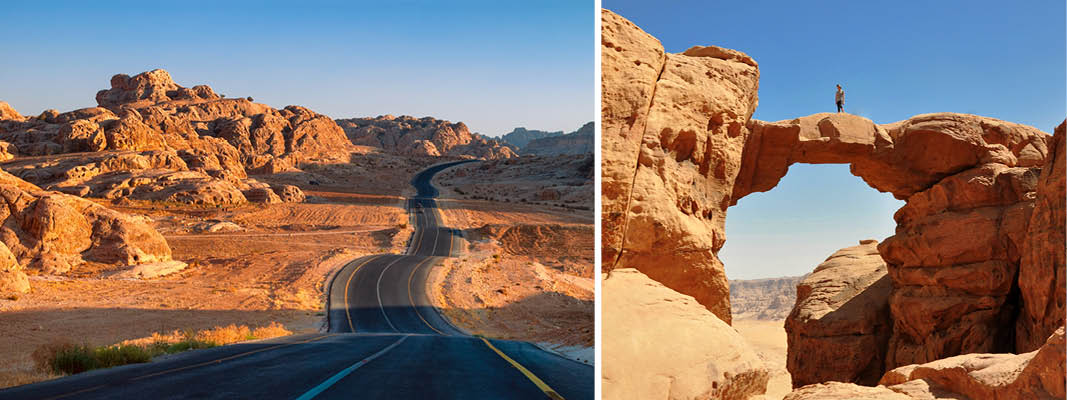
<point>521,136</point>
<point>577,142</point>
<point>763,299</point>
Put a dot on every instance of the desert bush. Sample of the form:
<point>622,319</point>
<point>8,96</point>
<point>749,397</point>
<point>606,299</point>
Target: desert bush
<point>273,330</point>
<point>69,358</point>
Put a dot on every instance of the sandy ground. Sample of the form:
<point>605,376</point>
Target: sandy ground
<point>270,263</point>
<point>768,339</point>
<point>544,296</point>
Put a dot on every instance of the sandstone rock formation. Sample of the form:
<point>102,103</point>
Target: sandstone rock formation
<point>212,141</point>
<point>1041,269</point>
<point>673,127</point>
<point>422,137</point>
<point>577,142</point>
<point>8,112</point>
<point>565,180</point>
<point>984,197</point>
<point>769,299</point>
<point>677,350</point>
<point>12,280</point>
<point>840,325</point>
<point>519,137</point>
<point>52,233</point>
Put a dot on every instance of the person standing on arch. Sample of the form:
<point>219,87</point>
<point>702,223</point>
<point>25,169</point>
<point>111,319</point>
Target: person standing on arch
<point>840,99</point>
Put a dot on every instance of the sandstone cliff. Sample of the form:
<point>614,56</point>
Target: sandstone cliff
<point>422,137</point>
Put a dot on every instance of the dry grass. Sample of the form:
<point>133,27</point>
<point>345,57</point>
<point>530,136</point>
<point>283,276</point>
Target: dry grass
<point>64,357</point>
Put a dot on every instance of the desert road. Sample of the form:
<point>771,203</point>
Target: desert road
<point>385,341</point>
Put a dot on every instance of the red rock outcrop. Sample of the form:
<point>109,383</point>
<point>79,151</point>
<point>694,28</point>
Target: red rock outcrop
<point>1042,280</point>
<point>678,350</point>
<point>425,136</point>
<point>53,233</point>
<point>220,139</point>
<point>840,325</point>
<point>673,127</point>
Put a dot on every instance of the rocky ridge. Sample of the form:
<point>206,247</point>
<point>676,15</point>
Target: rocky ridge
<point>769,299</point>
<point>519,137</point>
<point>425,136</point>
<point>151,136</point>
<point>577,142</point>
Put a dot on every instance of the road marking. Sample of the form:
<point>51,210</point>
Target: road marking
<point>529,375</point>
<point>436,233</point>
<point>352,327</point>
<point>178,369</point>
<point>412,299</point>
<point>315,391</point>
<point>378,288</point>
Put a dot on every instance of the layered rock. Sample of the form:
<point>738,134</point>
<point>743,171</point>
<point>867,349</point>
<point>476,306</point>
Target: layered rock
<point>577,142</point>
<point>679,350</point>
<point>224,139</point>
<point>840,324</point>
<point>673,127</point>
<point>769,299</point>
<point>1042,280</point>
<point>422,137</point>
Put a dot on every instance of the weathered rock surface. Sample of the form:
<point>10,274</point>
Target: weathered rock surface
<point>769,299</point>
<point>840,325</point>
<point>844,391</point>
<point>53,233</point>
<point>1038,374</point>
<point>673,126</point>
<point>678,350</point>
<point>8,112</point>
<point>422,137</point>
<point>223,139</point>
<point>12,280</point>
<point>1042,280</point>
<point>577,142</point>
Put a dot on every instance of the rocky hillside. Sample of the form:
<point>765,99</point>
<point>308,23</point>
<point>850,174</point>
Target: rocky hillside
<point>577,142</point>
<point>53,233</point>
<point>768,299</point>
<point>153,139</point>
<point>975,265</point>
<point>564,180</point>
<point>425,136</point>
<point>520,136</point>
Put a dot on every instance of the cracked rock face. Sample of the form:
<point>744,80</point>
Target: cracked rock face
<point>673,129</point>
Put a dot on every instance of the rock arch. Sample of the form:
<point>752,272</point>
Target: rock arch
<point>679,147</point>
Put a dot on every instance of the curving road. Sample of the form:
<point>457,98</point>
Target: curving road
<point>385,341</point>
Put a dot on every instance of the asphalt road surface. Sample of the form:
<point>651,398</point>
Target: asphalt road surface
<point>385,341</point>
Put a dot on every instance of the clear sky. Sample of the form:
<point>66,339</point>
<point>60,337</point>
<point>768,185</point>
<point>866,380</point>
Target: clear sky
<point>493,65</point>
<point>894,59</point>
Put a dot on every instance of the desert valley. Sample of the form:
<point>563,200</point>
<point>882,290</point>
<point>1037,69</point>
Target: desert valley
<point>169,210</point>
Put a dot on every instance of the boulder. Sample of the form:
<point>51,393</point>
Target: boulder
<point>839,328</point>
<point>289,193</point>
<point>262,195</point>
<point>678,350</point>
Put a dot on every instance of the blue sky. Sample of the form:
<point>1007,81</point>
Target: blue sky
<point>492,65</point>
<point>894,59</point>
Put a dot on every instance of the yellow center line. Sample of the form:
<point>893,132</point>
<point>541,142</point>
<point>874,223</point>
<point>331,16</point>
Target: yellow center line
<point>348,283</point>
<point>412,299</point>
<point>187,367</point>
<point>529,375</point>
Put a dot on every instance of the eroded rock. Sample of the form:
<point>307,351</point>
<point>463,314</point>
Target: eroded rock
<point>840,326</point>
<point>705,358</point>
